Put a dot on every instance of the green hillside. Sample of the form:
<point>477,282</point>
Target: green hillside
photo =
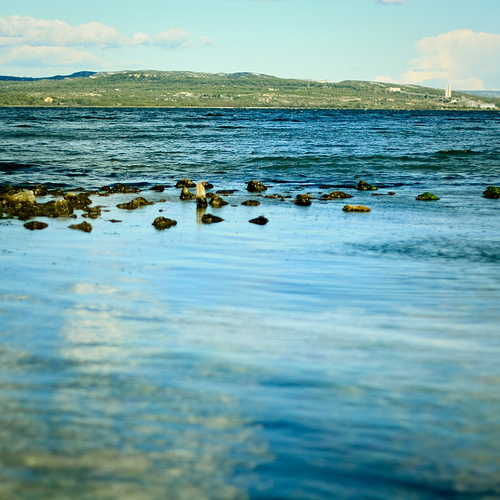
<point>236,90</point>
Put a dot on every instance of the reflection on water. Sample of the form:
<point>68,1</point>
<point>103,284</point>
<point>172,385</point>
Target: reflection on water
<point>324,355</point>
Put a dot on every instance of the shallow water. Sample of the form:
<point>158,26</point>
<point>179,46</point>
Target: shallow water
<point>324,355</point>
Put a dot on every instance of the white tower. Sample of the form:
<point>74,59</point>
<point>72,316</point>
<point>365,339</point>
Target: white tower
<point>447,92</point>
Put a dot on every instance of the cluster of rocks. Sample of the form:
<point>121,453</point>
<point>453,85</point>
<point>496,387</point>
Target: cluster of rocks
<point>22,203</point>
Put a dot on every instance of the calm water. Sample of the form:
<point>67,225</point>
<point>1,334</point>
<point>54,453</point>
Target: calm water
<point>324,355</point>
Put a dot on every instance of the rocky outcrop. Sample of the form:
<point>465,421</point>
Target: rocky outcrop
<point>356,208</point>
<point>303,200</point>
<point>210,219</point>
<point>251,203</point>
<point>161,223</point>
<point>336,195</point>
<point>256,187</point>
<point>260,221</point>
<point>35,225</point>
<point>135,203</point>
<point>492,192</point>
<point>364,186</point>
<point>427,197</point>
<point>216,201</point>
<point>83,226</point>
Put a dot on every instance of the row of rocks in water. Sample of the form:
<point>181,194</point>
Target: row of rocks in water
<point>21,203</point>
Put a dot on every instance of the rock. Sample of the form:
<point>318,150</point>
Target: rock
<point>492,192</point>
<point>261,220</point>
<point>59,208</point>
<point>364,186</point>
<point>201,197</point>
<point>78,201</point>
<point>22,197</point>
<point>135,203</point>
<point>158,188</point>
<point>217,201</point>
<point>256,187</point>
<point>161,223</point>
<point>210,219</point>
<point>427,197</point>
<point>83,226</point>
<point>336,195</point>
<point>40,190</point>
<point>303,200</point>
<point>185,183</point>
<point>356,208</point>
<point>122,188</point>
<point>226,192</point>
<point>275,197</point>
<point>186,194</point>
<point>251,203</point>
<point>92,212</point>
<point>35,225</point>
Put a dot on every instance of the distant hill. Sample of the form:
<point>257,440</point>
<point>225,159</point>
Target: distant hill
<point>484,93</point>
<point>79,74</point>
<point>151,88</point>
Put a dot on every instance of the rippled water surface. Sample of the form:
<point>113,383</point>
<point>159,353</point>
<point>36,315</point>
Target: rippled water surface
<point>323,355</point>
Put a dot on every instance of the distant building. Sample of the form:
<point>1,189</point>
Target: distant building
<point>447,92</point>
<point>394,89</point>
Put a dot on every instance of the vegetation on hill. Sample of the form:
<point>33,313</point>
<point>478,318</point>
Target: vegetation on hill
<point>235,90</point>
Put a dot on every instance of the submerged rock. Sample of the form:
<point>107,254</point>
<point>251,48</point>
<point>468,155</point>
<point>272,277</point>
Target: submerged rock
<point>135,203</point>
<point>364,186</point>
<point>492,192</point>
<point>83,226</point>
<point>261,220</point>
<point>427,197</point>
<point>251,203</point>
<point>35,225</point>
<point>92,212</point>
<point>356,208</point>
<point>78,201</point>
<point>303,200</point>
<point>159,188</point>
<point>210,219</point>
<point>336,195</point>
<point>217,201</point>
<point>226,192</point>
<point>256,187</point>
<point>161,223</point>
<point>186,194</point>
<point>185,183</point>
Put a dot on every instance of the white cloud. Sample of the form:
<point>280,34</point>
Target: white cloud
<point>178,38</point>
<point>27,56</point>
<point>44,42</point>
<point>461,58</point>
<point>17,30</point>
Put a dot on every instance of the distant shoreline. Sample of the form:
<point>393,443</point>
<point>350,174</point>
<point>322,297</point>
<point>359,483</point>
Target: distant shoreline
<point>156,89</point>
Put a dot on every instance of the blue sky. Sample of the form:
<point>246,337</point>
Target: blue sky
<point>423,42</point>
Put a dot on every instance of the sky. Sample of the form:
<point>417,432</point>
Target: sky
<point>423,42</point>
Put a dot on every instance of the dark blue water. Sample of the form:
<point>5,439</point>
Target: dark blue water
<point>324,355</point>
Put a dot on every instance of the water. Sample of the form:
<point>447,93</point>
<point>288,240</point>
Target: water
<point>324,355</point>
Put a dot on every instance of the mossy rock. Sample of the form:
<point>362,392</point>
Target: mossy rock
<point>356,208</point>
<point>492,192</point>
<point>364,186</point>
<point>256,187</point>
<point>161,223</point>
<point>427,197</point>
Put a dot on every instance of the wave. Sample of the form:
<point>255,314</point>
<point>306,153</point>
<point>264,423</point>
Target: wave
<point>456,152</point>
<point>9,166</point>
